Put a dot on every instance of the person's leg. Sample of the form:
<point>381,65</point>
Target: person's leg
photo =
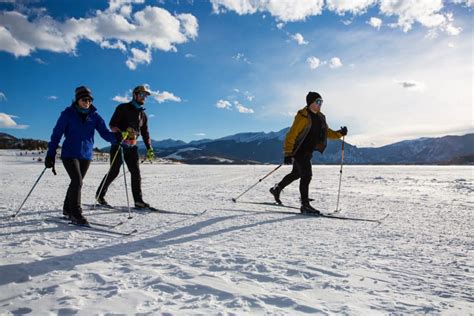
<point>73,195</point>
<point>83,167</point>
<point>305,169</point>
<point>133,164</point>
<point>277,188</point>
<point>111,175</point>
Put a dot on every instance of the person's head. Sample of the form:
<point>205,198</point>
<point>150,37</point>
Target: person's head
<point>140,93</point>
<point>84,97</point>
<point>314,101</point>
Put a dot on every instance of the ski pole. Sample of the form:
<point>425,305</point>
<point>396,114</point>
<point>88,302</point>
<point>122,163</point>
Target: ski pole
<point>125,180</point>
<point>340,175</point>
<point>34,185</point>
<point>235,199</point>
<point>107,175</point>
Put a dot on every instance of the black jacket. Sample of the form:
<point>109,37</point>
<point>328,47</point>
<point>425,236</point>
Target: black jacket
<point>127,116</point>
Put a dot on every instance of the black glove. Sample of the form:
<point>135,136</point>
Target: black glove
<point>343,131</point>
<point>49,161</point>
<point>288,160</point>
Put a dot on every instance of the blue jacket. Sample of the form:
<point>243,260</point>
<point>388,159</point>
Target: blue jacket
<point>79,133</point>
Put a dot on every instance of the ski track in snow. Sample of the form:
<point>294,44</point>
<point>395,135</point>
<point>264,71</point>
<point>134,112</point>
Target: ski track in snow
<point>240,258</point>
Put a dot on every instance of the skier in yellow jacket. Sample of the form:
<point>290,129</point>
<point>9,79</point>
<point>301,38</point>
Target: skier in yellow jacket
<point>309,132</point>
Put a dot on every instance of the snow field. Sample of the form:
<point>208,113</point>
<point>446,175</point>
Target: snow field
<point>240,258</point>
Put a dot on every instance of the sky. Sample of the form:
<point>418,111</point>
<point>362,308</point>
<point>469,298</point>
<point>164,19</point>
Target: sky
<point>389,70</point>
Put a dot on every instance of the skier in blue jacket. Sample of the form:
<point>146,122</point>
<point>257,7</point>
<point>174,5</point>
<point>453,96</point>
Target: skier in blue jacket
<point>77,123</point>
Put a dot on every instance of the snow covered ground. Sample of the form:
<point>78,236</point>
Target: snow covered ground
<point>241,258</point>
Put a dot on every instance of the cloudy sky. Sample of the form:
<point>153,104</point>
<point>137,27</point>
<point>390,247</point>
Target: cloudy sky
<point>388,69</point>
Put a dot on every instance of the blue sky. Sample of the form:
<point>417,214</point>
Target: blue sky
<point>388,69</point>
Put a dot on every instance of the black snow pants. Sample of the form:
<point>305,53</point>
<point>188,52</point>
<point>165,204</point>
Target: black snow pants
<point>76,169</point>
<point>132,160</point>
<point>302,170</point>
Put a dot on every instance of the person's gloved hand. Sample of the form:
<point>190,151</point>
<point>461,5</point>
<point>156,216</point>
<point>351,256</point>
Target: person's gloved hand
<point>49,161</point>
<point>288,160</point>
<point>150,154</point>
<point>343,131</point>
<point>121,136</point>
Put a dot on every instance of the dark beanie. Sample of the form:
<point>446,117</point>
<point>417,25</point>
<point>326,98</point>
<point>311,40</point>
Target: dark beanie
<point>311,97</point>
<point>82,92</point>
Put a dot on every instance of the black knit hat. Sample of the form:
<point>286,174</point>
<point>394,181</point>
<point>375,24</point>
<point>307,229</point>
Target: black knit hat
<point>82,92</point>
<point>311,97</point>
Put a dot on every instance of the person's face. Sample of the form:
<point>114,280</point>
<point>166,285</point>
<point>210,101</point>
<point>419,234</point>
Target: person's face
<point>85,102</point>
<point>316,105</point>
<point>140,97</point>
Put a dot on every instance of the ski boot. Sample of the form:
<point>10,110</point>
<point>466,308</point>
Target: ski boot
<point>101,200</point>
<point>79,220</point>
<point>275,191</point>
<point>141,204</point>
<point>307,209</point>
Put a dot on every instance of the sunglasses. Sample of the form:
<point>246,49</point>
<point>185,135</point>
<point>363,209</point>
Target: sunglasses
<point>143,95</point>
<point>319,102</point>
<point>86,100</point>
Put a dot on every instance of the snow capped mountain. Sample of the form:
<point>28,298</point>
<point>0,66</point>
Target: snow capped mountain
<point>251,137</point>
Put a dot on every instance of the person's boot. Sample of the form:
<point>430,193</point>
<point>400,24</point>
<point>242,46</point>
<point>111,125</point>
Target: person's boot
<point>275,191</point>
<point>78,219</point>
<point>141,204</point>
<point>306,208</point>
<point>101,200</point>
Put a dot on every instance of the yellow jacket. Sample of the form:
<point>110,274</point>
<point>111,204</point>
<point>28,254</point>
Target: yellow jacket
<point>300,129</point>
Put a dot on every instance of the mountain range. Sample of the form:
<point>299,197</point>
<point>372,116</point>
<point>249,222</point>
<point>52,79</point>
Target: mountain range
<point>263,147</point>
<point>267,148</point>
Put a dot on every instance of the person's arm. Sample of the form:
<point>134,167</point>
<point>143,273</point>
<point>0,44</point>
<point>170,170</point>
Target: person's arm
<point>58,132</point>
<point>290,139</point>
<point>337,134</point>
<point>115,119</point>
<point>145,133</point>
<point>104,131</point>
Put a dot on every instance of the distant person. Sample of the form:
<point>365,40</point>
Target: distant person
<point>130,118</point>
<point>77,123</point>
<point>308,133</point>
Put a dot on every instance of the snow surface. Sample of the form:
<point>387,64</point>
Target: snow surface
<point>240,258</point>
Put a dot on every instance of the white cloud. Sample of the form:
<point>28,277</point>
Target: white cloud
<point>117,27</point>
<point>282,10</point>
<point>352,6</point>
<point>40,61</point>
<point>123,99</point>
<point>411,85</point>
<point>249,96</point>
<point>164,96</point>
<point>313,62</point>
<point>189,56</point>
<point>6,121</point>
<point>242,109</point>
<point>335,62</point>
<point>299,39</point>
<point>241,57</point>
<point>200,134</point>
<point>52,97</point>
<point>117,45</point>
<point>3,97</point>
<point>428,13</point>
<point>138,57</point>
<point>375,22</point>
<point>151,115</point>
<point>280,25</point>
<point>223,104</point>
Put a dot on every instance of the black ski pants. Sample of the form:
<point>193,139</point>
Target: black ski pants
<point>132,160</point>
<point>302,170</point>
<point>76,169</point>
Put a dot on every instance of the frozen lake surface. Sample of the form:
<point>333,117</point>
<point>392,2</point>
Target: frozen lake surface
<point>241,258</point>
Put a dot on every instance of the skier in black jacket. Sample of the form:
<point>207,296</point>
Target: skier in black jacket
<point>129,119</point>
